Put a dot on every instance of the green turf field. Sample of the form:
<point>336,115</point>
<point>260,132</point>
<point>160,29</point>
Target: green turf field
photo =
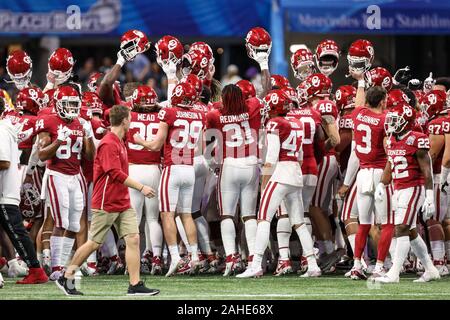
<point>207,287</point>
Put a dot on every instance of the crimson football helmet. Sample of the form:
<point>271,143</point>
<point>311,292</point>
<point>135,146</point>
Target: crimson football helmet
<point>433,103</point>
<point>327,56</point>
<point>92,81</point>
<point>91,101</point>
<point>31,100</point>
<point>302,95</point>
<point>60,65</point>
<point>302,63</point>
<point>247,88</point>
<point>19,67</point>
<point>379,77</point>
<point>194,81</point>
<point>195,62</point>
<point>279,81</point>
<point>132,43</point>
<point>290,93</point>
<point>400,118</point>
<point>68,102</point>
<point>396,97</point>
<point>317,85</point>
<point>205,48</point>
<point>345,97</point>
<point>257,40</point>
<point>360,56</point>
<point>276,102</point>
<point>169,49</point>
<point>144,97</point>
<point>30,201</point>
<point>183,95</point>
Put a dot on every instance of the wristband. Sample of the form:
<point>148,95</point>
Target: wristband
<point>264,65</point>
<point>361,83</point>
<point>141,188</point>
<point>429,194</point>
<point>120,61</point>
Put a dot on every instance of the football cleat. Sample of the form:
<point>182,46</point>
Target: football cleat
<point>16,270</point>
<point>231,264</point>
<point>251,273</point>
<point>203,263</point>
<point>379,272</point>
<point>56,273</point>
<point>442,267</point>
<point>185,266</point>
<point>357,274</point>
<point>429,275</point>
<point>156,266</point>
<point>176,266</point>
<point>329,260</point>
<point>47,264</point>
<point>213,262</point>
<point>35,276</point>
<point>116,266</point>
<point>312,273</point>
<point>89,269</point>
<point>283,267</point>
<point>386,279</point>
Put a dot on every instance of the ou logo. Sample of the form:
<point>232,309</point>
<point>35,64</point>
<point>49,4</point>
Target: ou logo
<point>33,94</point>
<point>135,94</point>
<point>432,98</point>
<point>407,111</point>
<point>178,91</point>
<point>204,62</point>
<point>338,95</point>
<point>370,50</point>
<point>315,81</point>
<point>172,44</point>
<point>386,82</point>
<point>27,60</point>
<point>70,60</point>
<point>274,99</point>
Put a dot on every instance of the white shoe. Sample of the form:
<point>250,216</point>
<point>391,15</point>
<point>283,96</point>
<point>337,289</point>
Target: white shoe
<point>47,264</point>
<point>2,282</point>
<point>348,273</point>
<point>55,275</point>
<point>88,269</point>
<point>251,273</point>
<point>312,273</point>
<point>429,275</point>
<point>174,265</point>
<point>78,274</point>
<point>442,268</point>
<point>16,270</point>
<point>379,273</point>
<point>385,279</point>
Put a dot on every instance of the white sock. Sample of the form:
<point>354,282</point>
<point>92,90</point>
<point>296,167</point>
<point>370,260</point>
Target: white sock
<point>358,263</point>
<point>147,234</point>
<point>67,245</point>
<point>351,240</point>
<point>92,257</point>
<point>203,235</point>
<point>447,249</point>
<point>262,239</point>
<point>156,236</point>
<point>194,253</point>
<point>419,248</point>
<point>312,263</point>
<point>338,236</point>
<point>284,229</point>
<point>182,233</point>
<point>56,244</point>
<point>392,247</point>
<point>174,255</point>
<point>401,251</point>
<point>329,246</point>
<point>305,240</point>
<point>46,253</point>
<point>228,233</point>
<point>250,235</point>
<point>379,266</point>
<point>308,224</point>
<point>438,249</point>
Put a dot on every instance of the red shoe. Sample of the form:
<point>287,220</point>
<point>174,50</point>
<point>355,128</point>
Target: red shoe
<point>35,276</point>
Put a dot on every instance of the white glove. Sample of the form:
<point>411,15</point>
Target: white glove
<point>63,133</point>
<point>263,59</point>
<point>428,208</point>
<point>380,192</point>
<point>122,57</point>
<point>170,69</point>
<point>428,83</point>
<point>87,128</point>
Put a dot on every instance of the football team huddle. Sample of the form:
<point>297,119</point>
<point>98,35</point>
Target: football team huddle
<point>292,178</point>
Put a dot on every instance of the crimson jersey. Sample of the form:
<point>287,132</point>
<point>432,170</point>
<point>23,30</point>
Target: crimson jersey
<point>290,132</point>
<point>311,120</point>
<point>146,124</point>
<point>438,126</point>
<point>68,156</point>
<point>46,111</point>
<point>402,156</point>
<point>369,136</point>
<point>185,129</point>
<point>29,122</point>
<point>345,125</point>
<point>327,108</point>
<point>239,132</point>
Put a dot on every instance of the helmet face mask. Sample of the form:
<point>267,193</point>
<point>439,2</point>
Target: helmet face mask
<point>257,40</point>
<point>304,70</point>
<point>358,65</point>
<point>19,68</point>
<point>68,108</point>
<point>22,81</point>
<point>327,64</point>
<point>394,123</point>
<point>132,43</point>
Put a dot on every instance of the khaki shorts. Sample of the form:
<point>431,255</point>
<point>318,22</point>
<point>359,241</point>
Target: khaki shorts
<point>125,223</point>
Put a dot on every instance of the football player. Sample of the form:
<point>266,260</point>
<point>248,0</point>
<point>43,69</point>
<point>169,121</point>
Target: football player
<point>409,166</point>
<point>20,68</point>
<point>282,180</point>
<point>179,130</point>
<point>63,138</point>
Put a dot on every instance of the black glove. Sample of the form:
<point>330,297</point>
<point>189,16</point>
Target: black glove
<point>402,76</point>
